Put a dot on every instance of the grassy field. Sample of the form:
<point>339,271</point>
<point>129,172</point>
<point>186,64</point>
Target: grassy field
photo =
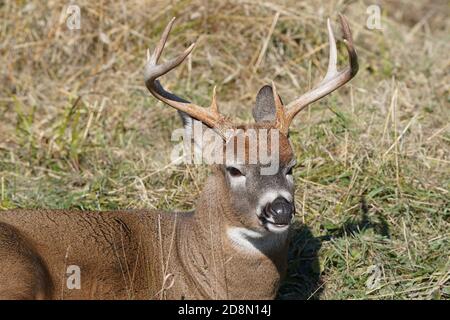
<point>78,128</point>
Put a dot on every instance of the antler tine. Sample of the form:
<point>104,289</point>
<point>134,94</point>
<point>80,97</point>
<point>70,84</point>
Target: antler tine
<point>333,78</point>
<point>209,116</point>
<point>332,59</point>
<point>348,41</point>
<point>162,42</point>
<point>214,108</point>
<point>279,110</point>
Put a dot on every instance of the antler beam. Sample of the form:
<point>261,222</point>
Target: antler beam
<point>332,80</point>
<point>209,116</point>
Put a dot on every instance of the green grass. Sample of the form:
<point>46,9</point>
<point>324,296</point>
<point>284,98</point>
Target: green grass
<point>79,130</point>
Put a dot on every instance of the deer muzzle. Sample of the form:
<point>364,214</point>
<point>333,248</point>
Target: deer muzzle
<point>279,212</point>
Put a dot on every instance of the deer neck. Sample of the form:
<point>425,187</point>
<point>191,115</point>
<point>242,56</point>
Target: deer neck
<point>224,258</point>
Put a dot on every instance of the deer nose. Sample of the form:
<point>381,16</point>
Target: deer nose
<point>280,211</point>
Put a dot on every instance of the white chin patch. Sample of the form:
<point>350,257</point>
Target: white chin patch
<point>276,228</point>
<point>251,242</point>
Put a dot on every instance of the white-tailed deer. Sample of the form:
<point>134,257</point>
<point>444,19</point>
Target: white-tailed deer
<point>232,246</point>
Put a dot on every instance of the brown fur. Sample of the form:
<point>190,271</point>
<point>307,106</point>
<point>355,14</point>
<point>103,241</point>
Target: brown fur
<point>283,144</point>
<point>134,254</point>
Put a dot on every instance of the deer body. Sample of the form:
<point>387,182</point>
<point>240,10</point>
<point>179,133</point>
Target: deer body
<point>232,246</point>
<point>137,254</point>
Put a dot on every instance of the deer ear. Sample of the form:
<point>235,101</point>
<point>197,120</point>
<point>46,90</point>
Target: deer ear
<point>188,121</point>
<point>264,109</point>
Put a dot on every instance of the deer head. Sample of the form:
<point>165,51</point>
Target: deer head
<point>261,202</point>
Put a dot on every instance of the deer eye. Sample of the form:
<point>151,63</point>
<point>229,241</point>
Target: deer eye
<point>234,172</point>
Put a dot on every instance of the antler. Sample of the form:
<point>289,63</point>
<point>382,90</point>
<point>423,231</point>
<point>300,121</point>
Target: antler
<point>209,116</point>
<point>332,80</point>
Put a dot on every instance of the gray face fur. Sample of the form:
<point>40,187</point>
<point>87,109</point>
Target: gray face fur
<point>250,194</point>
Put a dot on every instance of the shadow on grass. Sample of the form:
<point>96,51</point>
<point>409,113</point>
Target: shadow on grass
<point>356,225</point>
<point>303,280</point>
<point>303,276</point>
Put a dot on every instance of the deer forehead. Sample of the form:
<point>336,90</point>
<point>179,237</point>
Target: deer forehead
<point>260,140</point>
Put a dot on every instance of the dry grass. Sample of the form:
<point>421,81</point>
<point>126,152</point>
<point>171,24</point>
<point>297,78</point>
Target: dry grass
<point>78,128</point>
